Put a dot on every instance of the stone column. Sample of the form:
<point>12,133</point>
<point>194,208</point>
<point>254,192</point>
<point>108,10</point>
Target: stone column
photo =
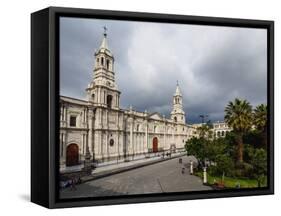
<point>61,145</point>
<point>64,113</point>
<point>164,146</point>
<point>131,136</point>
<point>141,143</point>
<point>84,116</point>
<point>101,144</point>
<point>61,112</point>
<point>101,118</point>
<point>101,96</point>
<point>82,119</point>
<point>146,133</point>
<point>107,144</point>
<point>173,134</point>
<point>137,143</point>
<point>83,145</point>
<point>90,144</point>
<point>117,145</point>
<point>98,96</point>
<point>62,149</point>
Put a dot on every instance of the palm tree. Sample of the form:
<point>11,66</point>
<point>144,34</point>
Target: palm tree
<point>205,131</point>
<point>260,121</point>
<point>238,115</point>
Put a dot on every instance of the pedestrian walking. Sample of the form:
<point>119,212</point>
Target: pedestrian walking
<point>72,186</point>
<point>182,170</point>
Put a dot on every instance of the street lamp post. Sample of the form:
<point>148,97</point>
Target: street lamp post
<point>88,163</point>
<point>205,175</point>
<point>203,117</point>
<point>191,167</point>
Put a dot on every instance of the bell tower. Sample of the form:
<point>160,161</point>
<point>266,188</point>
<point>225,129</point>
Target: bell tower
<point>177,114</point>
<point>103,91</point>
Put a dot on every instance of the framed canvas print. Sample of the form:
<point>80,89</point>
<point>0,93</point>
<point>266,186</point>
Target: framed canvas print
<point>139,107</point>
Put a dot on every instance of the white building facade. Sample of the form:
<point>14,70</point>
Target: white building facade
<point>220,129</point>
<point>100,129</point>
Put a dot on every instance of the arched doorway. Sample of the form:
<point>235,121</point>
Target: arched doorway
<point>72,155</point>
<point>155,144</point>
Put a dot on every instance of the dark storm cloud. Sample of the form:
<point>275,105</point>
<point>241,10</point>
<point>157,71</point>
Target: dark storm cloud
<point>213,64</point>
<point>79,38</point>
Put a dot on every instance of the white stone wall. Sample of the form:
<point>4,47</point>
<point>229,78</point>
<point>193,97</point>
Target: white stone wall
<point>221,129</point>
<point>131,132</point>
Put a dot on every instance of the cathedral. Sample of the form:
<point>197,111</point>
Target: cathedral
<point>99,130</point>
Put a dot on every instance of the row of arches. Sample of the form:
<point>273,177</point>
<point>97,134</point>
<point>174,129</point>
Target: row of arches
<point>167,129</point>
<point>177,100</point>
<point>104,62</point>
<point>109,99</point>
<point>72,152</point>
<point>221,133</point>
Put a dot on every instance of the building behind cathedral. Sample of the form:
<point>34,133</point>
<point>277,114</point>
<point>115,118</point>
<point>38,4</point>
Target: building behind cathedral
<point>98,128</point>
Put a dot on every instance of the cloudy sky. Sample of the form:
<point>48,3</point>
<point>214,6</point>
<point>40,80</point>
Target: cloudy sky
<point>212,64</point>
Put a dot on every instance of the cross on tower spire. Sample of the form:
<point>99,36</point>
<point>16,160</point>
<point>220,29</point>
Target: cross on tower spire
<point>104,31</point>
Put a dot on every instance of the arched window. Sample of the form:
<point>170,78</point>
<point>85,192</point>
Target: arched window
<point>155,127</point>
<point>175,119</point>
<point>219,134</point>
<point>222,133</point>
<point>102,60</point>
<point>109,101</point>
<point>93,97</point>
<point>138,128</point>
<point>98,60</point>
<point>107,64</point>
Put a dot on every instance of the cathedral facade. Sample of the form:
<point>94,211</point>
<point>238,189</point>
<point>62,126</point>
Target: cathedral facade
<point>99,130</point>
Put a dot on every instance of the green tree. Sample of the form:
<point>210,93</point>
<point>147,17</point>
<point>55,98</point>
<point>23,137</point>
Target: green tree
<point>215,148</point>
<point>224,165</point>
<point>238,115</point>
<point>259,163</point>
<point>260,122</point>
<point>220,154</point>
<point>205,131</point>
<point>197,147</point>
<point>231,147</point>
<point>253,138</point>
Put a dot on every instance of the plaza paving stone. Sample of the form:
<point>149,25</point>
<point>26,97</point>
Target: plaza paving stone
<point>161,177</point>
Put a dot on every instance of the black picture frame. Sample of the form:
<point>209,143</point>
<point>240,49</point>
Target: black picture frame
<point>45,102</point>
